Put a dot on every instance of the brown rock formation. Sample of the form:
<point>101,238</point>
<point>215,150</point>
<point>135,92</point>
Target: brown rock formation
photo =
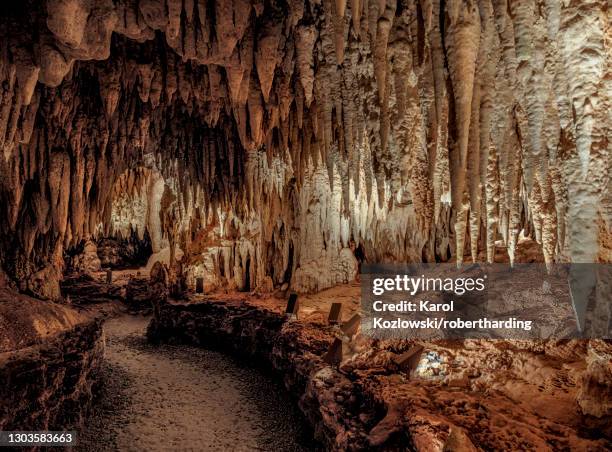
<point>49,360</point>
<point>276,144</point>
<point>482,395</point>
<point>277,132</point>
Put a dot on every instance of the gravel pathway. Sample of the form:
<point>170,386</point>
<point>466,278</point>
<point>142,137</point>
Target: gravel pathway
<point>167,398</point>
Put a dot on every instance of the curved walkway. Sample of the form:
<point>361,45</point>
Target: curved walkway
<point>167,398</point>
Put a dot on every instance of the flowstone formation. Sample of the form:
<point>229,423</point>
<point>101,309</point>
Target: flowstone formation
<point>269,141</point>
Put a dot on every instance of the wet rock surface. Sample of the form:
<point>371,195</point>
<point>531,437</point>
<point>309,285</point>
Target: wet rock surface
<point>492,395</point>
<point>169,397</point>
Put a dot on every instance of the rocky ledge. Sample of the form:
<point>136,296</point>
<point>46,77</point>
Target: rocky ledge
<point>49,360</point>
<point>368,402</point>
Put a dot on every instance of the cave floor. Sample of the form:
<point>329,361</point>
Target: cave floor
<point>184,398</point>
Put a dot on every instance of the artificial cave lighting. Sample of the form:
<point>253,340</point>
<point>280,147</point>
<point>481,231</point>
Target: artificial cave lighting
<point>182,182</point>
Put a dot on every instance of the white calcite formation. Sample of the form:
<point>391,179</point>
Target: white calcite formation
<point>269,139</point>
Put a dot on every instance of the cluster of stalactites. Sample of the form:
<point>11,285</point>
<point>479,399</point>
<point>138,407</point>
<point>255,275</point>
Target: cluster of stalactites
<point>495,107</point>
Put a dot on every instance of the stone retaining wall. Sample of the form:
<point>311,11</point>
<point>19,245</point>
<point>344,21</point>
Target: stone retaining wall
<point>460,396</point>
<point>50,385</point>
<point>335,406</point>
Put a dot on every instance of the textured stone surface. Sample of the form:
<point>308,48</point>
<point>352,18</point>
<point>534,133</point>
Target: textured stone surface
<point>90,289</point>
<point>476,395</point>
<point>279,132</point>
<point>122,253</point>
<point>49,360</point>
<point>86,260</point>
<point>141,294</point>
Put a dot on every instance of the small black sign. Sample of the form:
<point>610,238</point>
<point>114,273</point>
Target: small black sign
<point>200,285</point>
<point>334,314</point>
<point>293,305</point>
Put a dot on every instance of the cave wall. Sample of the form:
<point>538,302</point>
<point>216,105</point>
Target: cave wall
<point>50,359</point>
<point>288,132</point>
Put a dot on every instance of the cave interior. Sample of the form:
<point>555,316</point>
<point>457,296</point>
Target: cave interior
<point>233,152</point>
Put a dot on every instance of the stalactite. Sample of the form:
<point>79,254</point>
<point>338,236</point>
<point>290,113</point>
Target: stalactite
<point>487,114</point>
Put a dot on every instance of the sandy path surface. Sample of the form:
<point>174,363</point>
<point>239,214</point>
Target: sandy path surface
<point>163,398</point>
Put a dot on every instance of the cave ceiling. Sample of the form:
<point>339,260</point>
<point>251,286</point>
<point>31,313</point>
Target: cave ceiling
<point>419,130</point>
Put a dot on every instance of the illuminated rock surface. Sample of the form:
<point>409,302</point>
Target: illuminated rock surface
<point>49,361</point>
<point>500,395</point>
<point>270,146</point>
<point>276,134</point>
